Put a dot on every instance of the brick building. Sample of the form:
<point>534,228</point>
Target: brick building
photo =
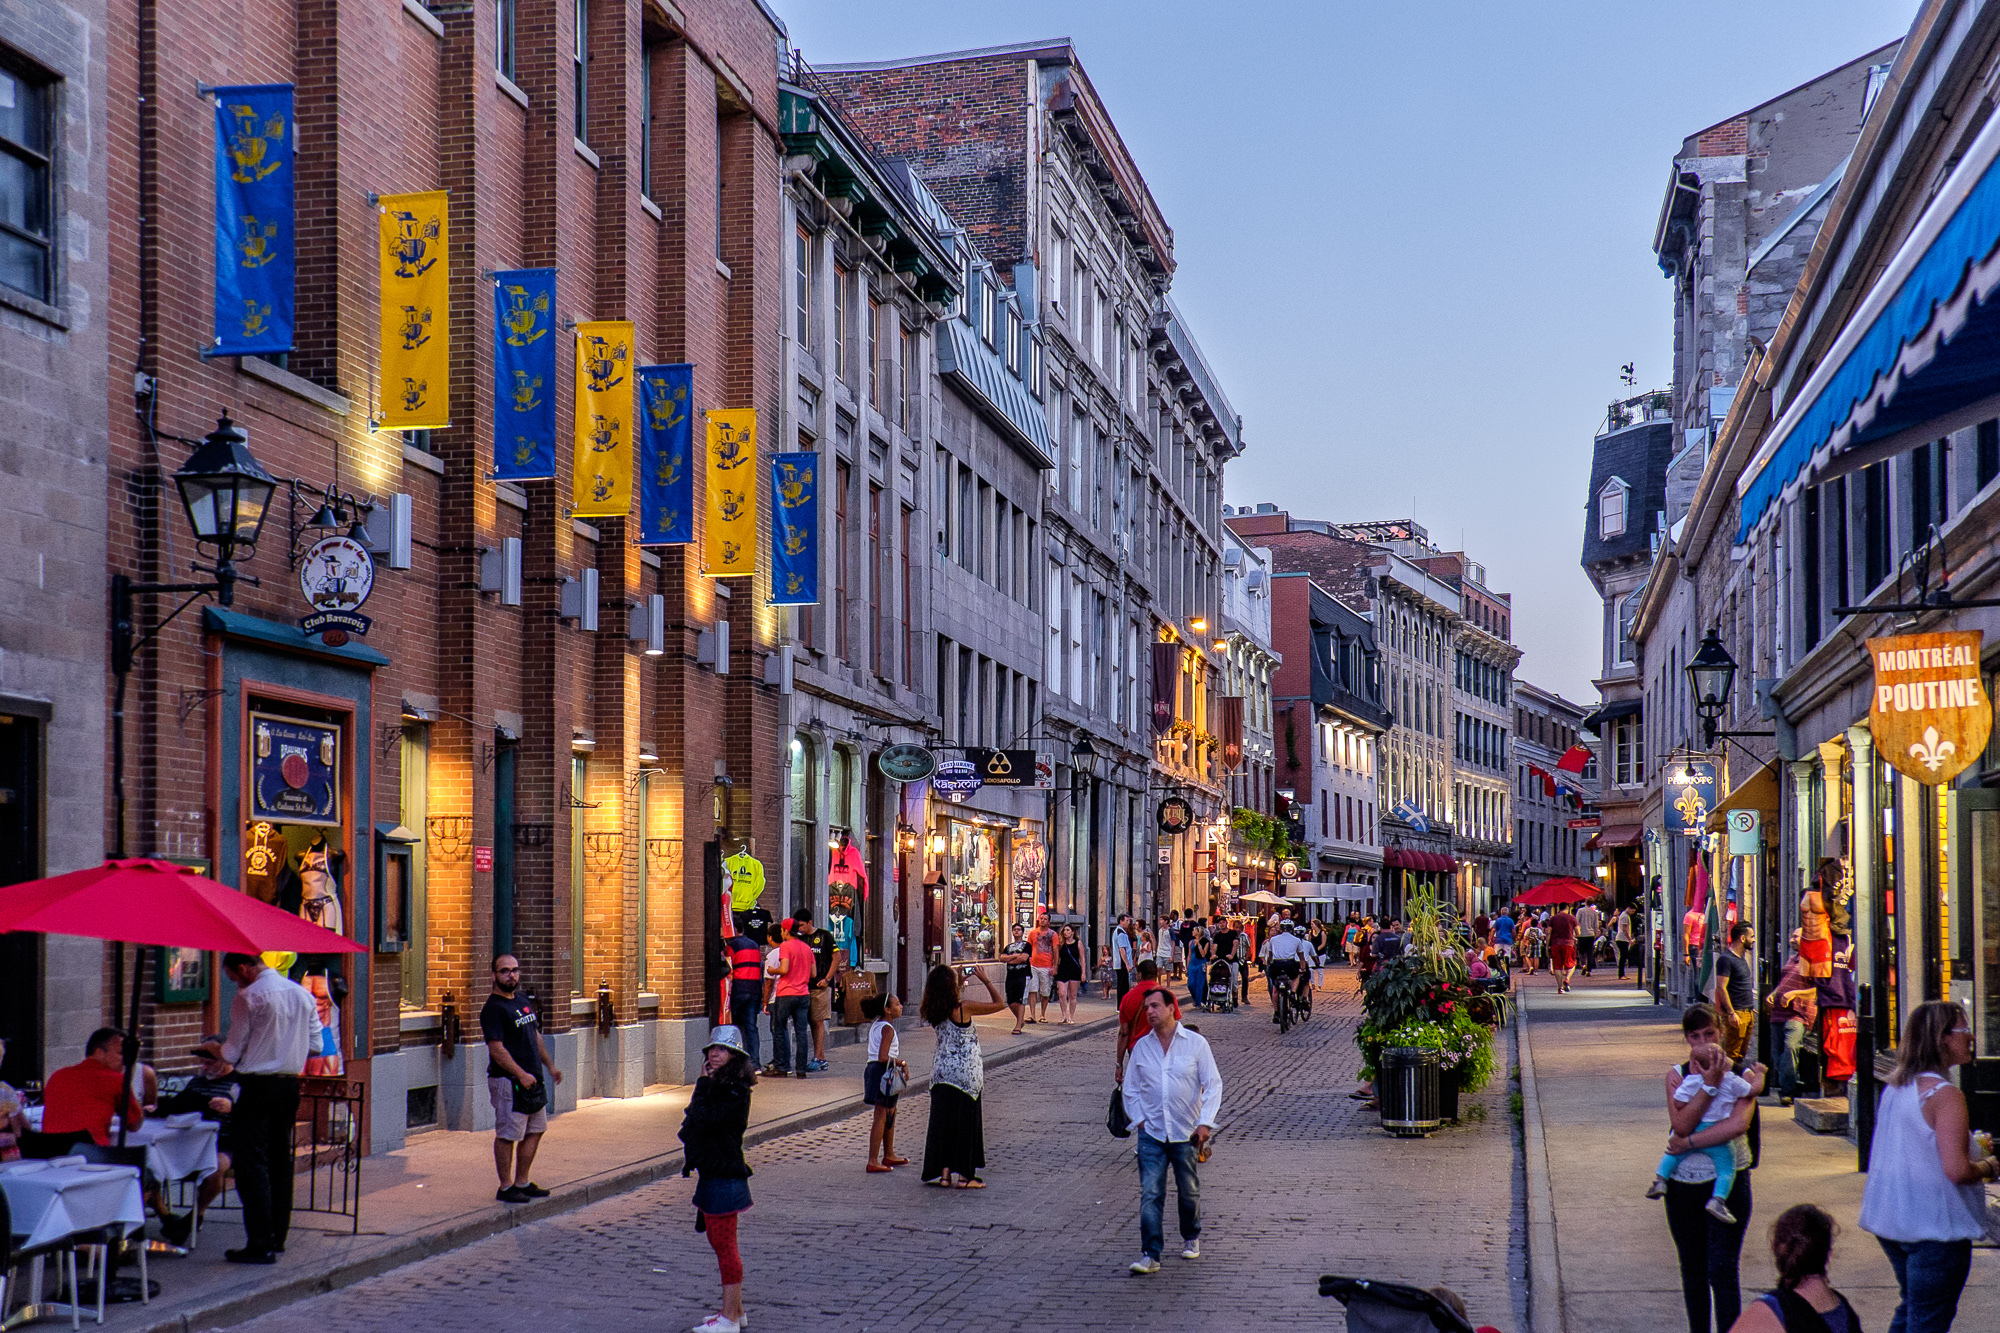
<point>1550,827</point>
<point>527,752</point>
<point>54,281</point>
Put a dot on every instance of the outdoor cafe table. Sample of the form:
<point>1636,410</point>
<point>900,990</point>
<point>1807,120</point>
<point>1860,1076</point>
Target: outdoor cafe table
<point>50,1200</point>
<point>177,1146</point>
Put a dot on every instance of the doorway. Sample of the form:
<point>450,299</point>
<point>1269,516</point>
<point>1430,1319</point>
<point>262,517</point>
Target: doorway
<point>20,861</point>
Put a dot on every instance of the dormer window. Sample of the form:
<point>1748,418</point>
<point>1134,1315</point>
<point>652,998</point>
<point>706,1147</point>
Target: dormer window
<point>1612,503</point>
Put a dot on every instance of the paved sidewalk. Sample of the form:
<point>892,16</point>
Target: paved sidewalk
<point>1599,1054</point>
<point>1303,1182</point>
<point>436,1194</point>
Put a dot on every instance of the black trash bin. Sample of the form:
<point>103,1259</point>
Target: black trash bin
<point>1407,1090</point>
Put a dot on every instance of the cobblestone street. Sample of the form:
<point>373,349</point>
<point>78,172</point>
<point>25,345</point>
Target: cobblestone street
<point>1303,1182</point>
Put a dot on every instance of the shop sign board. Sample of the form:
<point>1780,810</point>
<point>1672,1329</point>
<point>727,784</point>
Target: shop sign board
<point>1745,832</point>
<point>1166,856</point>
<point>955,779</point>
<point>1690,796</point>
<point>294,771</point>
<point>336,575</point>
<point>482,860</point>
<point>1007,768</point>
<point>1929,712</point>
<point>1175,815</point>
<point>1588,821</point>
<point>1288,869</point>
<point>906,763</point>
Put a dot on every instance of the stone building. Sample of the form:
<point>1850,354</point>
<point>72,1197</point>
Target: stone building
<point>1020,150</point>
<point>55,319</point>
<point>551,735</point>
<point>1552,808</point>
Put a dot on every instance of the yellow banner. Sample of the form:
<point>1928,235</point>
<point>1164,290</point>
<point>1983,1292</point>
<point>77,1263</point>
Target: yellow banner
<point>416,311</point>
<point>729,547</point>
<point>603,487</point>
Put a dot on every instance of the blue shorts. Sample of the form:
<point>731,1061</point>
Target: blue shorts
<point>718,1197</point>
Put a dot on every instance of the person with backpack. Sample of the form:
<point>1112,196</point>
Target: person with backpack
<point>1803,1301</point>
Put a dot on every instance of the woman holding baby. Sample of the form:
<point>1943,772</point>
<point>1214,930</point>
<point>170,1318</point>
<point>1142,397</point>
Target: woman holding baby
<point>1705,1176</point>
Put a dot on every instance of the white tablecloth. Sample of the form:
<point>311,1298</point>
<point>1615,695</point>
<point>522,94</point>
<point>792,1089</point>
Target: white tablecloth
<point>50,1200</point>
<point>177,1146</point>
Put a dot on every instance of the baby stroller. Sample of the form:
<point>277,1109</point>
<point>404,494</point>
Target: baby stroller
<point>1221,995</point>
<point>1390,1307</point>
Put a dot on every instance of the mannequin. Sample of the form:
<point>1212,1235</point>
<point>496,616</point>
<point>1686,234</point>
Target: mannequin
<point>319,885</point>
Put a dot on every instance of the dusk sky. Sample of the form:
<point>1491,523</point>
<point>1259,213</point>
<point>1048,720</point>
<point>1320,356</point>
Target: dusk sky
<point>1414,241</point>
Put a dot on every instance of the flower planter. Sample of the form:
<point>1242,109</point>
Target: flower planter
<point>1408,1089</point>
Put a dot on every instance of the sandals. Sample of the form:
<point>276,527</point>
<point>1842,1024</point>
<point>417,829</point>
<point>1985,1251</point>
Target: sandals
<point>875,1170</point>
<point>972,1183</point>
<point>895,1161</point>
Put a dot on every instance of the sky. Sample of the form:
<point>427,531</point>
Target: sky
<point>1414,241</point>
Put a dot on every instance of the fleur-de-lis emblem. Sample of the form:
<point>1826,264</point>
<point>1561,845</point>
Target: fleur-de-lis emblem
<point>523,324</point>
<point>254,316</point>
<point>604,433</point>
<point>250,142</point>
<point>256,246</point>
<point>1933,751</point>
<point>413,393</point>
<point>526,391</point>
<point>411,246</point>
<point>601,359</point>
<point>416,327</point>
<point>1693,809</point>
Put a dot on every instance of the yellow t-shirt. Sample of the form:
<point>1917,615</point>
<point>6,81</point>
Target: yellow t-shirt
<point>746,881</point>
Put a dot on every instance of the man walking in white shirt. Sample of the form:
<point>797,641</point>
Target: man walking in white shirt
<point>1173,1093</point>
<point>272,1023</point>
<point>1589,925</point>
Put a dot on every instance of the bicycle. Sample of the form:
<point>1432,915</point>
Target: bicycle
<point>1281,1002</point>
<point>1291,1002</point>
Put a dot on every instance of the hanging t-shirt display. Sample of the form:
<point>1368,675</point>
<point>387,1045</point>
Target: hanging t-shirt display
<point>847,936</point>
<point>746,880</point>
<point>846,881</point>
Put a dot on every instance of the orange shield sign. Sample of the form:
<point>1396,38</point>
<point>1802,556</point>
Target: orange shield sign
<point>1929,712</point>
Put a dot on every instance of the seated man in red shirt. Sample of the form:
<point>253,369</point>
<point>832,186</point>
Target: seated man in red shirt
<point>84,1096</point>
<point>1132,1023</point>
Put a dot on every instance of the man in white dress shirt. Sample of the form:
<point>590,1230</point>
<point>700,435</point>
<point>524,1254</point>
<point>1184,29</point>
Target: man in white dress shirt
<point>1173,1093</point>
<point>272,1023</point>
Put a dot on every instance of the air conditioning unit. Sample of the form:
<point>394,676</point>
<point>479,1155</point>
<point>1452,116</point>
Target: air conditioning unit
<point>579,601</point>
<point>500,570</point>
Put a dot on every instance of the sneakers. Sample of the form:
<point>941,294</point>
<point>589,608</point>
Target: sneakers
<point>715,1323</point>
<point>815,1065</point>
<point>1658,1189</point>
<point>1193,1250</point>
<point>1145,1265</point>
<point>1719,1210</point>
<point>532,1190</point>
<point>512,1194</point>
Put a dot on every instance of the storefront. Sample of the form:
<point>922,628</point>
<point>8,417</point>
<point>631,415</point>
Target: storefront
<point>976,886</point>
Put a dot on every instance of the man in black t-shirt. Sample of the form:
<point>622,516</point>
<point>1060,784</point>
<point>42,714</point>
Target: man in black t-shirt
<point>819,995</point>
<point>1224,939</point>
<point>1735,990</point>
<point>515,1058</point>
<point>1019,959</point>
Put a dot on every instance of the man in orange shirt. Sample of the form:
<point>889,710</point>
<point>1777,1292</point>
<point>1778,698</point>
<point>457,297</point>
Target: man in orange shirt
<point>1041,968</point>
<point>791,1004</point>
<point>84,1096</point>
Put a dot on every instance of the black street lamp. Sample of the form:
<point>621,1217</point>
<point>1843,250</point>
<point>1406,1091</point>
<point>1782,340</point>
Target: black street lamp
<point>1711,674</point>
<point>226,493</point>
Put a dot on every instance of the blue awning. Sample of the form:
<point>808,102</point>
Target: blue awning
<point>976,368</point>
<point>1919,357</point>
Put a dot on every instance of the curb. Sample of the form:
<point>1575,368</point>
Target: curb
<point>237,1308</point>
<point>1545,1306</point>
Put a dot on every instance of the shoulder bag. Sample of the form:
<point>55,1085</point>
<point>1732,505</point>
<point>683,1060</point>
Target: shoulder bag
<point>527,1101</point>
<point>1115,1119</point>
<point>894,1081</point>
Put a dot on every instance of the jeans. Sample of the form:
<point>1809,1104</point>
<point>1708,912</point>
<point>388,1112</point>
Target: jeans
<point>1788,1056</point>
<point>793,1011</point>
<point>1153,1159</point>
<point>1709,1252</point>
<point>1930,1274</point>
<point>1721,1154</point>
<point>745,999</point>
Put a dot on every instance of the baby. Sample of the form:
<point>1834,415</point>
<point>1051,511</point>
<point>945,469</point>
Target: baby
<point>1722,1101</point>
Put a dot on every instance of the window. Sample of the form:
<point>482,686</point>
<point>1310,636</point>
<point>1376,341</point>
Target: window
<point>645,179</point>
<point>412,813</point>
<point>1058,270</point>
<point>1036,371</point>
<point>579,784</point>
<point>580,63</point>
<point>27,248</point>
<point>908,600</point>
<point>1013,340</point>
<point>875,368</point>
<point>1875,535</point>
<point>503,49</point>
<point>964,518</point>
<point>1629,753</point>
<point>720,178</point>
<point>1611,505</point>
<point>1628,611</point>
<point>907,357</point>
<point>802,281</point>
<point>842,474</point>
<point>1989,452</point>
<point>841,281</point>
<point>805,809</point>
<point>878,580</point>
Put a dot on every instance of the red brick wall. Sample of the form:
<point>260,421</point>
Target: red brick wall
<point>1729,139</point>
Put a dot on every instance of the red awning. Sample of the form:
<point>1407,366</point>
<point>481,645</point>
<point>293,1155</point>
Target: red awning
<point>1429,863</point>
<point>1615,835</point>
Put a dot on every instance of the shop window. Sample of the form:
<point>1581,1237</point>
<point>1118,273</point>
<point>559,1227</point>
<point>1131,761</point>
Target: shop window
<point>27,212</point>
<point>413,813</point>
<point>645,812</point>
<point>975,881</point>
<point>579,779</point>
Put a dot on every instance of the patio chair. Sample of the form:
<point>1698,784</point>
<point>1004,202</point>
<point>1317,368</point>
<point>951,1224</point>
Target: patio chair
<point>12,1256</point>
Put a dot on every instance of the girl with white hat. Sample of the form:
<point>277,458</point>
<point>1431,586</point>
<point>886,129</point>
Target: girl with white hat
<point>712,1132</point>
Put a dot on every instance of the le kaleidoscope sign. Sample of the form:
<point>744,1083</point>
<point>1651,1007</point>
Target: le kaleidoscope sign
<point>1929,711</point>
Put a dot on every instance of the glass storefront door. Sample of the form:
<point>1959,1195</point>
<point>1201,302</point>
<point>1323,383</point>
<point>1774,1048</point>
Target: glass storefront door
<point>1972,960</point>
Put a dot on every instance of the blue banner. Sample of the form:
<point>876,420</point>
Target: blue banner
<point>256,273</point>
<point>524,374</point>
<point>794,529</point>
<point>666,441</point>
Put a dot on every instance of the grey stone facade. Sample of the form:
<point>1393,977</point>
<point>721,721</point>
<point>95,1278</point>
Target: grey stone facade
<point>54,403</point>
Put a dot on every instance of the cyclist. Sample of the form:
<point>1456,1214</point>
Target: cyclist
<point>1286,955</point>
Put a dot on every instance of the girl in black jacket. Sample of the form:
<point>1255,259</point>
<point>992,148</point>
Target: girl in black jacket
<point>712,1132</point>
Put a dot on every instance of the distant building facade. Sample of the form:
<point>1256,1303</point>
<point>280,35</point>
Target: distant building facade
<point>1551,825</point>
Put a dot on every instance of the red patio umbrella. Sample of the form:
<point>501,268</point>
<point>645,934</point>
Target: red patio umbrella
<point>142,901</point>
<point>1564,890</point>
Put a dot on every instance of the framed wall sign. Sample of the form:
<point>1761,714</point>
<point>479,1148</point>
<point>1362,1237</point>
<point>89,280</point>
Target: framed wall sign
<point>294,771</point>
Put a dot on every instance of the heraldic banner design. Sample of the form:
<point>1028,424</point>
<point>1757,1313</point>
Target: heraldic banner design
<point>730,544</point>
<point>256,273</point>
<point>603,480</point>
<point>524,374</point>
<point>666,439</point>
<point>794,529</point>
<point>415,236</point>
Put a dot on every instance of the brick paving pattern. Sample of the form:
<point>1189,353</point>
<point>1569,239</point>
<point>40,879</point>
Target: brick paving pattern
<point>1303,1182</point>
